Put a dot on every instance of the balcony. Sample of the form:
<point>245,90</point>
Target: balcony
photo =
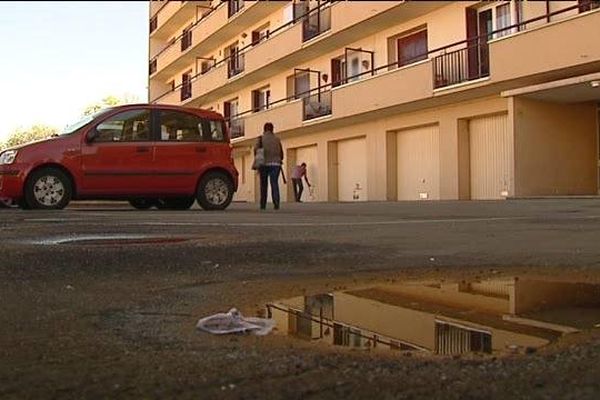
<point>210,32</point>
<point>172,15</point>
<point>285,115</point>
<point>288,46</point>
<point>563,48</point>
<point>236,128</point>
<point>316,105</point>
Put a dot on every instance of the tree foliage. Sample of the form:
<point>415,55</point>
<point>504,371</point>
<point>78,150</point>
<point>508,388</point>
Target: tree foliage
<point>25,135</point>
<point>110,101</point>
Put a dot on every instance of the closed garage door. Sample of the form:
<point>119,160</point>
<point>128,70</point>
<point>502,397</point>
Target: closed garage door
<point>309,156</point>
<point>243,164</point>
<point>352,170</point>
<point>490,155</point>
<point>419,163</point>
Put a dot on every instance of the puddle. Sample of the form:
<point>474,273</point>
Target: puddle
<point>500,316</point>
<point>108,240</point>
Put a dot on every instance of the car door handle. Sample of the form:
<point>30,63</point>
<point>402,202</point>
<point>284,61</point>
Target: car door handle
<point>201,149</point>
<point>141,149</point>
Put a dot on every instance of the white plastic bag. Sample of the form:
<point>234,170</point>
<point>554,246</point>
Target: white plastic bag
<point>234,322</point>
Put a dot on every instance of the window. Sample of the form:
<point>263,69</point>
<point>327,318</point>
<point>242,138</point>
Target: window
<point>261,98</point>
<point>412,48</point>
<point>588,5</point>
<point>186,85</point>
<point>234,6</point>
<point>235,62</point>
<point>153,24</point>
<point>177,126</point>
<point>152,66</point>
<point>128,126</point>
<point>260,34</point>
<point>186,38</point>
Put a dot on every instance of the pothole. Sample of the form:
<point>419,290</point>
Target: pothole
<point>493,317</point>
<point>110,240</point>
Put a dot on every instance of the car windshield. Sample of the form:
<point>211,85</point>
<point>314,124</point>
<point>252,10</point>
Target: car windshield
<point>82,122</point>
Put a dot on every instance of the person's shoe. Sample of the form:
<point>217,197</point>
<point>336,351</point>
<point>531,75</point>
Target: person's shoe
<point>276,206</point>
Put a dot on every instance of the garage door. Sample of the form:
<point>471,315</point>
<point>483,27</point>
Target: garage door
<point>418,152</point>
<point>490,154</point>
<point>352,170</point>
<point>309,156</point>
<point>245,192</point>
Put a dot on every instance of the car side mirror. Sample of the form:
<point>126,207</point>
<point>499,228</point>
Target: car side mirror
<point>91,135</point>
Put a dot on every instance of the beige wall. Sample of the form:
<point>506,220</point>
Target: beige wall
<point>555,148</point>
<point>531,295</point>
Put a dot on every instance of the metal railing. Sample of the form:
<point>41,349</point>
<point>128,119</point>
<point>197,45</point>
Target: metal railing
<point>467,64</point>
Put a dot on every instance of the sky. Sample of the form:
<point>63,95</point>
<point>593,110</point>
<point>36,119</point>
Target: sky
<point>58,57</point>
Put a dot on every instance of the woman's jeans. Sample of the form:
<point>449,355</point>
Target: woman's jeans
<point>269,173</point>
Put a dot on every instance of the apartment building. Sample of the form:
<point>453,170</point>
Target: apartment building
<point>395,100</point>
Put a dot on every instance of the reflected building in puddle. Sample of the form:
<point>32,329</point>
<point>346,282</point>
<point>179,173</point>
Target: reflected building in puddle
<point>443,318</point>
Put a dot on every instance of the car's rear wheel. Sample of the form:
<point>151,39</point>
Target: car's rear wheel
<point>142,203</point>
<point>175,203</point>
<point>48,189</point>
<point>215,191</point>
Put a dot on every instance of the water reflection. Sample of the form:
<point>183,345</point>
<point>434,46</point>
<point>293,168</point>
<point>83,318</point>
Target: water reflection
<point>443,318</point>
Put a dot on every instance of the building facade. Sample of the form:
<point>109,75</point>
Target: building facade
<point>395,100</point>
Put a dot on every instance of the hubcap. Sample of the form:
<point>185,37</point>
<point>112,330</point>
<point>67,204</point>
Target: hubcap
<point>216,191</point>
<point>48,190</point>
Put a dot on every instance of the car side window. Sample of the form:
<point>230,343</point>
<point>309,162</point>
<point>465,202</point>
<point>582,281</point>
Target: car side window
<point>213,131</point>
<point>180,127</point>
<point>128,126</point>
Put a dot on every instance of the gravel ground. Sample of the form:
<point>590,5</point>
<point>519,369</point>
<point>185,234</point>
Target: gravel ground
<point>117,320</point>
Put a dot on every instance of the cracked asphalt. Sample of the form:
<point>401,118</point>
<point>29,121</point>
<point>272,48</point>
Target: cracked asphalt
<point>101,301</point>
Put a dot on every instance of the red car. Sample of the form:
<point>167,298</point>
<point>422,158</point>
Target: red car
<point>152,155</point>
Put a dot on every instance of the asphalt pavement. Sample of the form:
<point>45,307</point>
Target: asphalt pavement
<point>101,300</point>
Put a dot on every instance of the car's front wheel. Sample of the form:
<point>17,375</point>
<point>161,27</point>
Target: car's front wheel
<point>215,191</point>
<point>48,189</point>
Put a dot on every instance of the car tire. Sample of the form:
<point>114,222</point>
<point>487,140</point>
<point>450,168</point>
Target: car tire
<point>215,191</point>
<point>175,203</point>
<point>142,203</point>
<point>48,189</point>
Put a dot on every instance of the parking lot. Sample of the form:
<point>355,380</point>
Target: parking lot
<point>100,298</point>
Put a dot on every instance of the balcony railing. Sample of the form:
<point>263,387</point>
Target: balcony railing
<point>236,127</point>
<point>462,65</point>
<point>235,66</point>
<point>316,105</point>
<point>316,23</point>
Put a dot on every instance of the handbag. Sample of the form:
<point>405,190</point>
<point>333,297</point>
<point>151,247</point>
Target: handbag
<point>259,156</point>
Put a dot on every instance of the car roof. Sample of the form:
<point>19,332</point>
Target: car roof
<point>193,110</point>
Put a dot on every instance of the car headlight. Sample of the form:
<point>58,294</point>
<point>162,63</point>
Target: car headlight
<point>8,157</point>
